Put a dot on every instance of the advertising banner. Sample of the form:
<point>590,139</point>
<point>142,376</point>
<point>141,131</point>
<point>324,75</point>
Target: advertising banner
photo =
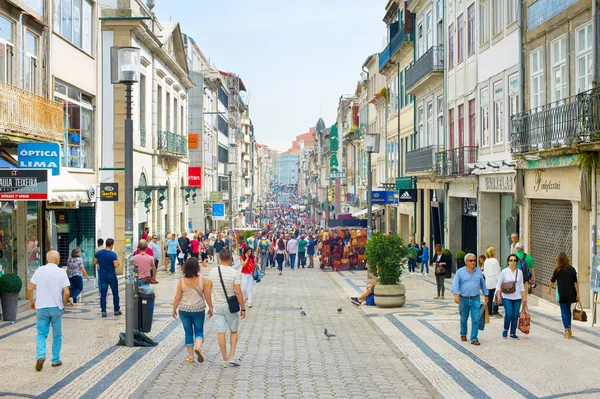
<point>24,184</point>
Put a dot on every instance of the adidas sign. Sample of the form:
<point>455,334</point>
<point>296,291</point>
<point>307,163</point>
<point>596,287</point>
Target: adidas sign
<point>406,196</point>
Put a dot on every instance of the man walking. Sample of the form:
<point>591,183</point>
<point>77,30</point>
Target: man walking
<point>264,245</point>
<point>466,286</point>
<point>184,245</point>
<point>224,281</point>
<point>526,265</point>
<point>292,248</point>
<point>107,262</point>
<point>219,245</point>
<point>52,294</point>
<point>302,251</point>
<point>145,264</point>
<point>153,245</point>
<point>514,240</point>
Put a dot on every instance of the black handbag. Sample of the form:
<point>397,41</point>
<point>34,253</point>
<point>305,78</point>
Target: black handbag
<point>232,301</point>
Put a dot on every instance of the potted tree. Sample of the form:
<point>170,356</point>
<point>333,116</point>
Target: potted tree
<point>10,286</point>
<point>460,259</point>
<point>385,257</point>
<point>447,252</point>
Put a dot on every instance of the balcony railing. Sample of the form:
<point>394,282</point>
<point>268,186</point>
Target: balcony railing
<point>143,136</point>
<point>30,116</point>
<point>397,41</point>
<point>422,160</point>
<point>455,162</point>
<point>172,142</point>
<point>431,61</point>
<point>565,123</point>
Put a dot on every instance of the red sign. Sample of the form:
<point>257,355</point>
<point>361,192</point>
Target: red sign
<point>195,176</point>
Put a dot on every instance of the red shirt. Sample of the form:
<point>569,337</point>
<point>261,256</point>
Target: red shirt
<point>249,268</point>
<point>149,251</point>
<point>195,246</point>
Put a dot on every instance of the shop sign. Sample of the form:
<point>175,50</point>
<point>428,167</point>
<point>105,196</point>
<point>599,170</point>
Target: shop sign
<point>554,162</point>
<point>214,196</point>
<point>193,140</point>
<point>218,211</point>
<point>337,175</point>
<point>497,183</point>
<point>407,195</point>
<point>40,156</point>
<point>23,184</point>
<point>195,176</point>
<point>109,191</point>
<point>542,184</point>
<point>383,198</point>
<point>333,147</point>
<point>470,206</point>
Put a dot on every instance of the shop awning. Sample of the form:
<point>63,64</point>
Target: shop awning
<point>66,188</point>
<point>364,211</point>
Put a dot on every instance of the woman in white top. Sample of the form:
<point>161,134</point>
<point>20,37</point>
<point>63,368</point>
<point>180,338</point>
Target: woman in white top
<point>511,298</point>
<point>190,298</point>
<point>491,272</point>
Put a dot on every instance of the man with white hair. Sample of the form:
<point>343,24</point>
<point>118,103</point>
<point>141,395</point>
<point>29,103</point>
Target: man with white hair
<point>52,293</point>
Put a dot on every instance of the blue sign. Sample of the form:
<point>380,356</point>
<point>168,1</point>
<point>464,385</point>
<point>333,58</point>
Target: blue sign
<point>383,198</point>
<point>218,211</point>
<point>40,156</point>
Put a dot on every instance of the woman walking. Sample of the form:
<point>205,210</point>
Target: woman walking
<point>441,262</point>
<point>248,262</point>
<point>491,272</point>
<point>190,299</point>
<point>271,256</point>
<point>204,247</point>
<point>565,276</point>
<point>280,254</point>
<point>512,290</point>
<point>195,244</point>
<point>75,269</point>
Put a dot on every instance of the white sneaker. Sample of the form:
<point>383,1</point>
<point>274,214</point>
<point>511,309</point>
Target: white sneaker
<point>249,304</point>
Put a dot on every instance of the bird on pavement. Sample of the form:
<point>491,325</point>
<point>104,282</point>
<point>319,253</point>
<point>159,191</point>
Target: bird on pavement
<point>339,310</point>
<point>328,335</point>
<point>303,313</point>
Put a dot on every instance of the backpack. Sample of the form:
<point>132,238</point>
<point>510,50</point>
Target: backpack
<point>524,267</point>
<point>263,246</point>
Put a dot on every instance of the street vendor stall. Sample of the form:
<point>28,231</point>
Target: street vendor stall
<point>343,248</point>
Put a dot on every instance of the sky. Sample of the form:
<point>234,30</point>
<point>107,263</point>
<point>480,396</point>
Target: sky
<point>296,57</point>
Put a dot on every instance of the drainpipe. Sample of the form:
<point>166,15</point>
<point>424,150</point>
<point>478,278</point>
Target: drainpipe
<point>444,26</point>
<point>399,153</point>
<point>595,41</point>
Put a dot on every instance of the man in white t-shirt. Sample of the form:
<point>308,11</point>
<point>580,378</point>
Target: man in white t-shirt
<point>224,319</point>
<point>52,293</point>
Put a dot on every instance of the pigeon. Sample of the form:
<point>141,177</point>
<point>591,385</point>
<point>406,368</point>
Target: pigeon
<point>328,335</point>
<point>303,313</point>
<point>339,310</point>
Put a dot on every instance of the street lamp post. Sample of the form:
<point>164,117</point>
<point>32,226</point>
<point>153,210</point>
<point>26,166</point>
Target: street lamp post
<point>371,142</point>
<point>125,69</point>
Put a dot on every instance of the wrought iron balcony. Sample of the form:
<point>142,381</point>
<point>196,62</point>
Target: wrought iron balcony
<point>26,115</point>
<point>172,143</point>
<point>429,63</point>
<point>455,162</point>
<point>422,160</point>
<point>399,39</point>
<point>565,123</point>
<point>143,136</point>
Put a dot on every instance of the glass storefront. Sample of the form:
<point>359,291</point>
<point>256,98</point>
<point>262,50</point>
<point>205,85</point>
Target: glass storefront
<point>509,216</point>
<point>8,232</point>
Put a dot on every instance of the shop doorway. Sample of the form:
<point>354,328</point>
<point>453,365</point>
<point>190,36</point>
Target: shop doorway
<point>437,224</point>
<point>469,234</point>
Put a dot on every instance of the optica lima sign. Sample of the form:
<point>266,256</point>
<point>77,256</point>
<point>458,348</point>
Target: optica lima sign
<point>40,156</point>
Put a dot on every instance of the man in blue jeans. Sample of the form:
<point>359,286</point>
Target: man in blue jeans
<point>52,293</point>
<point>107,262</point>
<point>465,287</point>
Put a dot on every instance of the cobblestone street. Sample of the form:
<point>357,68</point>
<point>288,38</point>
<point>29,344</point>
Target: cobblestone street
<point>412,352</point>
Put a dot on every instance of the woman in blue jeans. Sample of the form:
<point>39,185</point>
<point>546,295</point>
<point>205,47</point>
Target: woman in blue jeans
<point>172,247</point>
<point>76,271</point>
<point>565,276</point>
<point>190,299</point>
<point>513,295</point>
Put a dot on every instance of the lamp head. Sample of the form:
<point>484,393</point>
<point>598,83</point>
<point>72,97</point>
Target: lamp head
<point>125,64</point>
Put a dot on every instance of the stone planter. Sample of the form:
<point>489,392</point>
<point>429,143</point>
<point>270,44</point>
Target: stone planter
<point>9,306</point>
<point>390,296</point>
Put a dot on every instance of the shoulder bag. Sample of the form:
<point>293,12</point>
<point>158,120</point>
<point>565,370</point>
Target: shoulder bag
<point>509,287</point>
<point>579,314</point>
<point>232,301</point>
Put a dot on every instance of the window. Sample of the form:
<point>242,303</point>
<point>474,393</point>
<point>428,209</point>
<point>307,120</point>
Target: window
<point>471,32</point>
<point>73,21</point>
<point>537,78</point>
<point>31,62</point>
<point>472,123</point>
<point>440,119</point>
<point>451,46</point>
<point>584,63</point>
<point>429,123</point>
<point>182,121</point>
<point>420,130</point>
<point>402,93</point>
<point>559,69</point>
<point>484,17</point>
<point>420,39</point>
<point>498,113</point>
<point>440,22</point>
<point>168,119</point>
<point>451,130</point>
<point>6,50</point>
<point>159,126</point>
<point>460,28</point>
<point>142,109</point>
<point>78,150</point>
<point>497,13</point>
<point>408,99</point>
<point>429,28</point>
<point>175,117</point>
<point>485,117</point>
<point>513,94</point>
<point>512,11</point>
<point>461,125</point>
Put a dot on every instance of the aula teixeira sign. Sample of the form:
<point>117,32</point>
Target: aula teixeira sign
<point>40,156</point>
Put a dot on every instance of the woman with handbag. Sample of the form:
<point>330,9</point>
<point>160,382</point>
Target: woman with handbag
<point>191,300</point>
<point>568,289</point>
<point>440,261</point>
<point>248,262</point>
<point>511,288</point>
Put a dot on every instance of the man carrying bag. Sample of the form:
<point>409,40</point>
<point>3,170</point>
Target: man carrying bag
<point>225,286</point>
